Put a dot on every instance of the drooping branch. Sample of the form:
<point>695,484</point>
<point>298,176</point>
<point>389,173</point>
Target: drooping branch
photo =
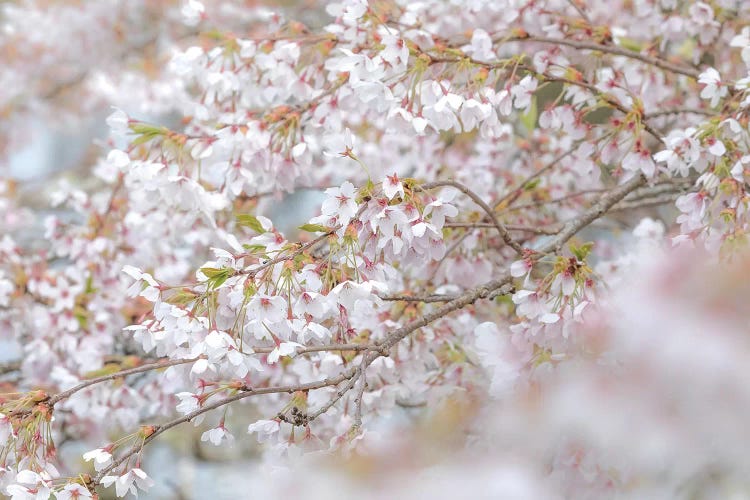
<point>53,400</point>
<point>241,394</point>
<point>609,49</point>
<point>513,194</point>
<point>484,206</point>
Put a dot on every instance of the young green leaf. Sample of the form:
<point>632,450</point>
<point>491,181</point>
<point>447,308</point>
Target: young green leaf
<point>250,221</point>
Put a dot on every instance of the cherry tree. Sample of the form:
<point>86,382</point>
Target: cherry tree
<point>531,236</point>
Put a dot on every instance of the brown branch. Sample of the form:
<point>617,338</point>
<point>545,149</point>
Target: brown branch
<point>488,210</point>
<point>513,194</point>
<point>601,95</point>
<point>323,348</point>
<point>360,393</point>
<point>352,379</point>
<point>667,187</point>
<point>646,202</point>
<point>598,209</point>
<point>245,393</point>
<point>53,400</point>
<point>9,367</point>
<point>570,228</point>
<point>679,111</point>
<point>561,199</point>
<point>420,298</point>
<point>610,49</point>
<point>510,227</point>
<point>662,187</point>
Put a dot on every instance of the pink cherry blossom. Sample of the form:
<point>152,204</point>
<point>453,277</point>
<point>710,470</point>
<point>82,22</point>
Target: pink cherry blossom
<point>392,186</point>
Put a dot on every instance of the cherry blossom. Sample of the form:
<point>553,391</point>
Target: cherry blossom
<point>714,89</point>
<point>392,186</point>
<point>265,429</point>
<point>100,456</point>
<point>129,482</point>
<point>340,204</point>
<point>523,92</point>
<point>73,491</point>
<point>217,435</point>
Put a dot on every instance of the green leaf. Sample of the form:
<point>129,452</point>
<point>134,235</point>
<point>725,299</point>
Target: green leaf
<point>218,281</point>
<point>90,285</point>
<point>254,248</point>
<point>146,129</point>
<point>141,140</point>
<point>314,228</point>
<point>212,272</point>
<point>687,49</point>
<point>181,297</point>
<point>631,44</point>
<point>107,369</point>
<point>82,316</point>
<point>583,251</point>
<point>529,119</point>
<point>250,221</point>
<point>216,277</point>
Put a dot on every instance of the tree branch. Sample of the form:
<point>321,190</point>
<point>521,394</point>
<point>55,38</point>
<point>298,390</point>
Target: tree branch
<point>609,49</point>
<point>9,367</point>
<point>510,227</point>
<point>245,393</point>
<point>53,400</point>
<point>420,298</point>
<point>322,348</point>
<point>487,209</point>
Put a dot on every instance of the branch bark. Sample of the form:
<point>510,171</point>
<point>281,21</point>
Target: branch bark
<point>487,209</point>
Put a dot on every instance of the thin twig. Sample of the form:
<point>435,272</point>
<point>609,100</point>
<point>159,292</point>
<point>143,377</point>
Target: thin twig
<point>567,197</point>
<point>9,367</point>
<point>679,111</point>
<point>515,193</point>
<point>322,348</point>
<point>610,49</point>
<point>579,9</point>
<point>53,400</point>
<point>646,202</point>
<point>336,398</point>
<point>601,95</point>
<point>360,394</point>
<point>420,298</point>
<point>487,209</point>
<point>242,394</point>
<point>509,227</point>
<point>570,228</point>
